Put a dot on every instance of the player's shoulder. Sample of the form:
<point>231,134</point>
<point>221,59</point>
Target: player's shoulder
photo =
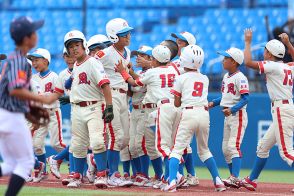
<point>53,74</point>
<point>241,75</point>
<point>101,54</point>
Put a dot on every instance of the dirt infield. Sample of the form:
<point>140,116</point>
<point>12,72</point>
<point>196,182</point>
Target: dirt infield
<point>205,188</point>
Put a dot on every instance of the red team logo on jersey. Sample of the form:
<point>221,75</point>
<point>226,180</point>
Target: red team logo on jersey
<point>231,89</point>
<point>83,79</point>
<point>48,87</point>
<point>100,54</point>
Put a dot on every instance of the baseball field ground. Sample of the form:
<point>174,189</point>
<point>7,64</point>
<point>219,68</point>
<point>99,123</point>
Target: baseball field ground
<point>271,183</point>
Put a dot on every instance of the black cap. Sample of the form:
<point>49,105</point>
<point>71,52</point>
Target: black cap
<point>23,26</point>
<point>2,57</point>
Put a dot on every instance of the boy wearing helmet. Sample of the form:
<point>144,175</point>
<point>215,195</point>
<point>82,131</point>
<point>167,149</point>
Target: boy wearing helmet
<point>91,101</point>
<point>119,33</point>
<point>158,81</point>
<point>96,43</point>
<point>190,93</point>
<point>279,82</point>
<point>235,96</point>
<point>47,80</point>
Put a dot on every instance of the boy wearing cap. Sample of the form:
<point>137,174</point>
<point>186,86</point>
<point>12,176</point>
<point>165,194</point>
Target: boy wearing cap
<point>47,80</point>
<point>279,82</point>
<point>15,137</point>
<point>95,44</point>
<point>235,96</point>
<point>137,140</point>
<point>158,81</point>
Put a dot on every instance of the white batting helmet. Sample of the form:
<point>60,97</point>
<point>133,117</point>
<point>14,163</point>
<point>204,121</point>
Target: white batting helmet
<point>192,57</point>
<point>75,35</point>
<point>161,53</point>
<point>97,41</point>
<point>116,26</point>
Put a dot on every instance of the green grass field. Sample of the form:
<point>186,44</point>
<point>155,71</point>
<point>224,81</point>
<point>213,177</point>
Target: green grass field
<point>202,173</point>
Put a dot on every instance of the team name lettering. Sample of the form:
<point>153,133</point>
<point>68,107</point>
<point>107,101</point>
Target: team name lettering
<point>231,89</point>
<point>83,79</point>
<point>48,87</point>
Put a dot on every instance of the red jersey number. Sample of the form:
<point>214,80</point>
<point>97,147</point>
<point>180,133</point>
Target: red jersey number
<point>169,82</point>
<point>198,88</point>
<point>288,80</point>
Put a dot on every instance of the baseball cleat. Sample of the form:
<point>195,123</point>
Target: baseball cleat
<point>101,180</point>
<point>91,171</point>
<point>68,179</point>
<point>29,179</point>
<point>181,180</point>
<point>232,182</point>
<point>116,180</point>
<point>171,187</point>
<point>54,167</point>
<point>248,184</point>
<point>39,173</point>
<point>140,180</point>
<point>76,181</point>
<point>192,180</point>
<point>220,187</point>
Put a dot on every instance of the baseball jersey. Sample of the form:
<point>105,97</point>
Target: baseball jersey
<point>47,85</point>
<point>88,77</point>
<point>109,57</point>
<point>192,87</point>
<point>63,76</point>
<point>159,82</point>
<point>279,79</point>
<point>35,87</point>
<point>16,73</point>
<point>138,91</point>
<point>233,86</point>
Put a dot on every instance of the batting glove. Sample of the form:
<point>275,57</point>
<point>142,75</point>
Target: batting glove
<point>108,114</point>
<point>64,100</point>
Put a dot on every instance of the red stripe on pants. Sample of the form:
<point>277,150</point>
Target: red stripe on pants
<point>144,146</point>
<point>239,133</point>
<point>59,129</point>
<point>158,137</point>
<point>111,135</point>
<point>282,136</point>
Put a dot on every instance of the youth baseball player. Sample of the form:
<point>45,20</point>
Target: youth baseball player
<point>119,33</point>
<point>17,154</point>
<point>190,93</point>
<point>95,44</point>
<point>137,146</point>
<point>235,95</point>
<point>89,93</point>
<point>279,82</point>
<point>47,80</point>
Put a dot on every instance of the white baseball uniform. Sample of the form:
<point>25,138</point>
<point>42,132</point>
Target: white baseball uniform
<point>47,84</point>
<point>118,129</point>
<point>63,76</point>
<point>88,103</point>
<point>158,81</point>
<point>137,122</point>
<point>279,82</point>
<point>192,87</point>
<point>233,86</point>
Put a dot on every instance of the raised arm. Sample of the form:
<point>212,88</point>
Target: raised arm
<point>247,51</point>
<point>285,39</point>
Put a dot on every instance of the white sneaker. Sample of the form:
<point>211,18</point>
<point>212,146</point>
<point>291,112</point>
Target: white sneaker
<point>101,180</point>
<point>76,181</point>
<point>192,180</point>
<point>171,187</point>
<point>38,173</point>
<point>54,167</point>
<point>68,179</point>
<point>116,180</point>
<point>160,184</point>
<point>219,185</point>
<point>141,180</point>
<point>29,179</point>
<point>180,180</point>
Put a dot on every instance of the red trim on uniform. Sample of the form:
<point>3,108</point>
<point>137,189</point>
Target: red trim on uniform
<point>175,67</point>
<point>244,91</point>
<point>186,151</point>
<point>177,131</point>
<point>176,93</point>
<point>159,137</point>
<point>45,75</point>
<point>239,133</point>
<point>103,81</point>
<point>58,90</point>
<point>138,82</point>
<point>78,64</point>
<point>261,67</point>
<point>233,74</point>
<point>120,52</point>
<point>144,146</point>
<point>59,130</point>
<point>112,136</point>
<point>68,71</point>
<point>291,63</point>
<point>282,136</point>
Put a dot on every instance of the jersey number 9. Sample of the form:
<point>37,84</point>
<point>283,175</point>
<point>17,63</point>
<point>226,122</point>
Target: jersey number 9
<point>198,88</point>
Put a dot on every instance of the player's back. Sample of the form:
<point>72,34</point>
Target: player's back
<point>109,57</point>
<point>159,82</point>
<point>279,79</point>
<point>194,89</point>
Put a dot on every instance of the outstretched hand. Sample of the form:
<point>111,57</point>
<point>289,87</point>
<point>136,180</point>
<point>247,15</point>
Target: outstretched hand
<point>248,35</point>
<point>119,67</point>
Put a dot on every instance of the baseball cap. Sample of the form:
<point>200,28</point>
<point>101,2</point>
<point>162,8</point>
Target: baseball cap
<point>161,53</point>
<point>23,26</point>
<point>233,53</point>
<point>142,50</point>
<point>186,36</point>
<point>40,53</point>
<point>275,47</point>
